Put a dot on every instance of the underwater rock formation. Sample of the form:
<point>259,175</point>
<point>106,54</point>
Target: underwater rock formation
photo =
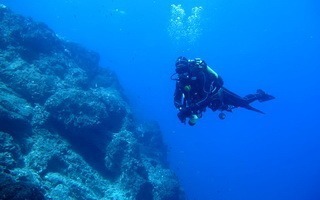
<point>66,129</point>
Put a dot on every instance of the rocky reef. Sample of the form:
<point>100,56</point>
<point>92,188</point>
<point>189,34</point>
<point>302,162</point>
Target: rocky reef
<point>66,128</point>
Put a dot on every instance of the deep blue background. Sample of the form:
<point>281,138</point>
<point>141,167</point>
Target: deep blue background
<point>252,44</point>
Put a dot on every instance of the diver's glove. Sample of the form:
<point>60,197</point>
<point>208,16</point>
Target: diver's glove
<point>181,117</point>
<point>183,114</point>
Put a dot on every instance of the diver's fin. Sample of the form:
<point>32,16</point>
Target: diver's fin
<point>264,96</point>
<point>253,109</point>
<point>233,99</point>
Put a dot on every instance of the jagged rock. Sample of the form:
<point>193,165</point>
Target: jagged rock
<point>28,81</point>
<point>115,153</point>
<point>166,186</point>
<point>66,126</point>
<point>15,112</point>
<point>68,188</point>
<point>149,134</point>
<point>40,146</point>
<point>28,37</point>
<point>104,78</point>
<point>9,151</point>
<point>134,178</point>
<point>89,110</point>
<point>123,159</point>
<point>86,59</point>
<point>63,172</point>
<point>40,116</point>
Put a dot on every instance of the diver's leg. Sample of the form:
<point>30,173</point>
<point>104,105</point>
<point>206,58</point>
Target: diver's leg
<point>251,98</point>
<point>230,98</point>
<point>260,96</point>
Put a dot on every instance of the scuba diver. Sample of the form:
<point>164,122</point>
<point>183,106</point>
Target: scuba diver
<point>199,87</point>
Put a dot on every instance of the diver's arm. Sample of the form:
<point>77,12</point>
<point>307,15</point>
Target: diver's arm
<point>178,97</point>
<point>211,84</point>
<point>217,78</point>
<point>208,70</point>
<point>211,71</point>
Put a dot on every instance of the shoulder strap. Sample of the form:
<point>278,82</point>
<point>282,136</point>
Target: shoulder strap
<point>201,64</point>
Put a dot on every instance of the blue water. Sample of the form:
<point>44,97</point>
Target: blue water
<point>268,44</point>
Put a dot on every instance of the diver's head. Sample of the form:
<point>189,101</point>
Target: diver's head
<point>182,65</point>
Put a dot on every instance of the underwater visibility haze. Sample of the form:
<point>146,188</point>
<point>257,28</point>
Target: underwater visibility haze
<point>270,45</point>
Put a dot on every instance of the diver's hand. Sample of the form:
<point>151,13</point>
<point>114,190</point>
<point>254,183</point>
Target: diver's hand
<point>185,111</point>
<point>182,117</point>
<point>183,114</point>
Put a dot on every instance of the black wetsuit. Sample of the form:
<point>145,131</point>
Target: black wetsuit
<point>200,88</point>
<point>195,88</point>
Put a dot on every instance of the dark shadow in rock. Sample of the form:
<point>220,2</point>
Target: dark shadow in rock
<point>27,55</point>
<point>16,128</point>
<point>93,154</point>
<point>145,192</point>
<point>19,134</point>
<point>88,147</point>
<point>12,190</point>
<point>55,164</point>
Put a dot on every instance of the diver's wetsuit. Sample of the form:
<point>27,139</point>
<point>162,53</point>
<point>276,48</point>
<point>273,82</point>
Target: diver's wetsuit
<point>195,88</point>
<point>201,87</point>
